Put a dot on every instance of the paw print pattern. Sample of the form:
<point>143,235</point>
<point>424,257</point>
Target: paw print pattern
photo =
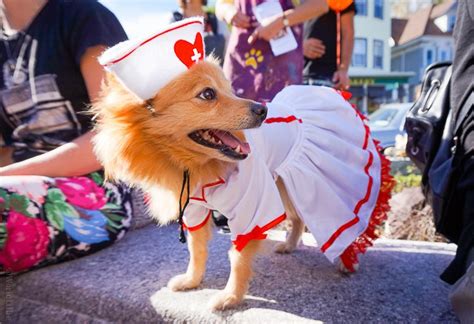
<point>253,57</point>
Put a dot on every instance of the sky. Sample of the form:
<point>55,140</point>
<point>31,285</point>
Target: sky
<point>139,16</point>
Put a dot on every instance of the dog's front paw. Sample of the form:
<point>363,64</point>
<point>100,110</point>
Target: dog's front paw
<point>183,282</point>
<point>224,300</point>
<point>284,248</point>
<point>343,269</point>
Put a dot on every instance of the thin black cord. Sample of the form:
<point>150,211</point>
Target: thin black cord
<point>182,237</point>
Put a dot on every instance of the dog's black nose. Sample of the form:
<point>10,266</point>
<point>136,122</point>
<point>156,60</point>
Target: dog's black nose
<point>259,110</point>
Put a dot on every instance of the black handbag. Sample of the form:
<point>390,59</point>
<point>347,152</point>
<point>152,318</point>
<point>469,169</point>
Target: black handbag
<point>432,143</point>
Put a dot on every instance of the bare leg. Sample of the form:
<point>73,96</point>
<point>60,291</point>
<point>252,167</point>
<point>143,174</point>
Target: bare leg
<point>197,246</point>
<point>297,226</point>
<point>240,274</point>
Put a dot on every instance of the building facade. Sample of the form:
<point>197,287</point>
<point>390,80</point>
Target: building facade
<point>422,39</point>
<point>372,81</point>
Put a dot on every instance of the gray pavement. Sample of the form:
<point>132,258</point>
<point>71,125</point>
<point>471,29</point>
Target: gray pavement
<point>397,283</point>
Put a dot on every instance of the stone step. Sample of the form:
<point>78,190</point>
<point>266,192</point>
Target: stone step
<point>397,283</point>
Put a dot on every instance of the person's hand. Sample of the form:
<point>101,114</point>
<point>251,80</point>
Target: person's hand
<point>341,80</point>
<point>268,31</point>
<point>313,48</point>
<point>240,20</point>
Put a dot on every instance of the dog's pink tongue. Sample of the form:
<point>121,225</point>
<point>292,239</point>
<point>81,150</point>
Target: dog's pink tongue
<point>232,141</point>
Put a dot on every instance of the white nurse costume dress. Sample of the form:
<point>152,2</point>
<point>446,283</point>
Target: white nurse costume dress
<point>321,148</point>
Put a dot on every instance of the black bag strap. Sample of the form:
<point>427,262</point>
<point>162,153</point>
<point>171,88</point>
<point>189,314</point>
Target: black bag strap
<point>463,112</point>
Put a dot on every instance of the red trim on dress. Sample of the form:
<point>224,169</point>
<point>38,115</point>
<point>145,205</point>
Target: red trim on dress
<point>257,233</point>
<point>345,94</point>
<point>369,185</point>
<point>150,39</point>
<point>356,210</point>
<point>209,185</point>
<point>199,226</point>
<point>337,233</point>
<point>350,255</point>
<point>288,119</point>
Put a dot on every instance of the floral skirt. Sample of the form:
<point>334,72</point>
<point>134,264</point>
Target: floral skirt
<point>45,220</point>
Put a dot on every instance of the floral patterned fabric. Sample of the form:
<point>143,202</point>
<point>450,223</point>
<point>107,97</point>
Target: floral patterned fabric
<point>45,220</point>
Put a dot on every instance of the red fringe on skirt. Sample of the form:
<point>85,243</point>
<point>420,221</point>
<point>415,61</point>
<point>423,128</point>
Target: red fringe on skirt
<point>350,255</point>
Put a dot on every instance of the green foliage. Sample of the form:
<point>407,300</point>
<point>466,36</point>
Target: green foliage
<point>406,181</point>
<point>406,175</point>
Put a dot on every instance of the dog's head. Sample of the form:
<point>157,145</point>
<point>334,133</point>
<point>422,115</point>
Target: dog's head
<point>197,121</point>
<point>199,112</point>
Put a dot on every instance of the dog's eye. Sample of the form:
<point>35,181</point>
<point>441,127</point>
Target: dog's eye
<point>208,94</point>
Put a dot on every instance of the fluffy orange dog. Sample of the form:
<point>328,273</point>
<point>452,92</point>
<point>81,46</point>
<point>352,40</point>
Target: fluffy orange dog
<point>312,161</point>
<point>152,152</point>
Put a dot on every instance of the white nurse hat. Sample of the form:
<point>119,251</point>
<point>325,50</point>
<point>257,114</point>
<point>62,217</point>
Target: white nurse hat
<point>147,64</point>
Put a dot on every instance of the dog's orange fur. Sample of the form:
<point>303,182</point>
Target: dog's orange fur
<point>152,151</point>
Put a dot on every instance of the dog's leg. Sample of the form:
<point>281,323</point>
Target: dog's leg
<point>297,226</point>
<point>240,274</point>
<point>197,245</point>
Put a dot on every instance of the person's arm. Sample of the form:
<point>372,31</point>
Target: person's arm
<point>341,76</point>
<point>226,11</point>
<point>5,156</point>
<point>71,159</point>
<point>313,48</point>
<point>74,158</point>
<point>309,9</point>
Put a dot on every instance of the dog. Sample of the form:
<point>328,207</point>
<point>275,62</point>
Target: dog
<point>151,152</point>
<point>151,143</point>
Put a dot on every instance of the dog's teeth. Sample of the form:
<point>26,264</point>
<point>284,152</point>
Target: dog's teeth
<point>237,149</point>
<point>219,142</point>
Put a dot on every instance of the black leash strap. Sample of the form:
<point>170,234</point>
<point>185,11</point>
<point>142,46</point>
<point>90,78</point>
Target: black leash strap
<point>182,236</point>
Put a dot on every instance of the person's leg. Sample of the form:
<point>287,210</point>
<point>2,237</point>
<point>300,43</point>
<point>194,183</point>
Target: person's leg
<point>45,221</point>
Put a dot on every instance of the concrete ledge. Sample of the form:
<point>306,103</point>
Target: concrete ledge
<point>398,283</point>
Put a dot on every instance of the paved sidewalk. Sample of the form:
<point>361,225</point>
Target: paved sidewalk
<point>398,283</point>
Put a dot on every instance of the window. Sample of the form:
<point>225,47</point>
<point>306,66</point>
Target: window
<point>451,22</point>
<point>378,9</point>
<point>361,7</point>
<point>444,55</point>
<point>429,57</point>
<point>378,54</point>
<point>359,58</point>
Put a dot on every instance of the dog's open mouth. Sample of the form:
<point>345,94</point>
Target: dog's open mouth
<point>223,141</point>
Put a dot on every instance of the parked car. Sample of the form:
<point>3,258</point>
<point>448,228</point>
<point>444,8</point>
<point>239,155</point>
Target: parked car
<point>387,122</point>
